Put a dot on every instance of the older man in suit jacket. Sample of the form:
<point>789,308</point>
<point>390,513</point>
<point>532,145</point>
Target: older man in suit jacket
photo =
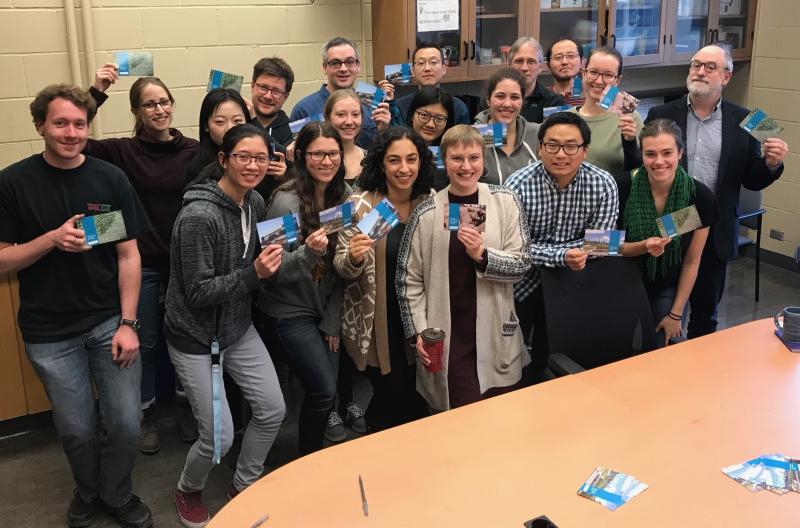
<point>723,156</point>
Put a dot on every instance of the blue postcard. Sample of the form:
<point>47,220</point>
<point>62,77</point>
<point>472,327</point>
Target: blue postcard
<point>457,215</point>
<point>369,94</point>
<point>398,74</point>
<point>337,218</point>
<point>296,126</point>
<point>284,230</point>
<point>603,242</point>
<point>577,86</point>
<point>135,63</point>
<point>759,125</point>
<point>103,228</point>
<point>220,79</point>
<point>679,222</point>
<point>378,222</point>
<point>437,157</point>
<point>610,488</point>
<point>550,110</point>
<point>494,134</point>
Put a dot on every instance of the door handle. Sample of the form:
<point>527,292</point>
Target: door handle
<point>472,55</point>
<point>716,35</point>
<point>466,50</point>
<point>613,40</point>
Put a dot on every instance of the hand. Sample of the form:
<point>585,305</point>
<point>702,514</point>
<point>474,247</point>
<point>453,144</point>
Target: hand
<point>627,126</point>
<point>290,152</point>
<point>360,245</point>
<point>268,261</point>
<point>421,354</point>
<point>388,89</point>
<point>105,76</point>
<point>250,108</point>
<point>277,167</point>
<point>382,116</point>
<point>774,151</point>
<point>69,238</point>
<point>655,245</point>
<point>124,346</point>
<point>332,341</point>
<point>671,328</point>
<point>472,240</point>
<point>576,259</point>
<point>317,241</point>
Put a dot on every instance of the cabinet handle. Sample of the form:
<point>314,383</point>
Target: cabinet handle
<point>613,40</point>
<point>472,55</point>
<point>670,39</point>
<point>408,54</point>
<point>710,37</point>
<point>716,35</point>
<point>466,50</point>
<point>664,42</point>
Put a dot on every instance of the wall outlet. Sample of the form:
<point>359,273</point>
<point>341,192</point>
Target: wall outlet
<point>777,235</point>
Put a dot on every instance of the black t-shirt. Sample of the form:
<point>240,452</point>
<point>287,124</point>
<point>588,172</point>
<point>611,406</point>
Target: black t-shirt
<point>706,205</point>
<point>65,294</point>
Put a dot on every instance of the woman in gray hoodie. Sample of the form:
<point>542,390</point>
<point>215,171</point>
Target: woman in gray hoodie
<point>504,97</point>
<point>216,265</point>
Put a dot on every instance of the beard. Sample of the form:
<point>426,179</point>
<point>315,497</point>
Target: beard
<point>699,88</point>
<point>561,78</point>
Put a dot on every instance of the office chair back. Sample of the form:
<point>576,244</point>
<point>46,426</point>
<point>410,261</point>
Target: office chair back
<point>749,208</point>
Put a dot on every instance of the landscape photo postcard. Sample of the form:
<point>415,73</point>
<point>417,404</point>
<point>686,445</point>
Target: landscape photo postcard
<point>617,101</point>
<point>550,110</point>
<point>220,79</point>
<point>679,222</point>
<point>398,74</point>
<point>378,222</point>
<point>283,230</point>
<point>103,228</point>
<point>610,488</point>
<point>369,94</point>
<point>337,218</point>
<point>759,125</point>
<point>494,134</point>
<point>296,126</point>
<point>437,157</point>
<point>135,63</point>
<point>458,215</point>
<point>603,242</point>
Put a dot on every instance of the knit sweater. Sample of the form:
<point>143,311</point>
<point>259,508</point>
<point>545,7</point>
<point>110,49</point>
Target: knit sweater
<point>499,165</point>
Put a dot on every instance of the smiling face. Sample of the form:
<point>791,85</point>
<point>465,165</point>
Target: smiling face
<point>244,176</point>
<point>430,130</point>
<point>661,156</point>
<point>464,165</point>
<point>701,83</point>
<point>565,61</point>
<point>505,102</point>
<point>224,117</point>
<point>560,165</point>
<point>157,120</point>
<point>526,61</point>
<point>266,102</point>
<point>65,131</point>
<point>600,65</point>
<point>428,67</point>
<point>323,171</point>
<point>343,76</point>
<point>401,165</point>
<point>346,118</point>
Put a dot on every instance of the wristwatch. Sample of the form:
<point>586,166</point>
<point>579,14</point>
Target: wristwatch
<point>135,324</point>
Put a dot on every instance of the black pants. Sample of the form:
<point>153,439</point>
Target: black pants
<point>530,312</point>
<point>707,292</point>
<point>344,385</point>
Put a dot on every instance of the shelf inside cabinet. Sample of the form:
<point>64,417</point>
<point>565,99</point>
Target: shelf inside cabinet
<point>495,15</point>
<point>567,9</point>
<point>733,16</point>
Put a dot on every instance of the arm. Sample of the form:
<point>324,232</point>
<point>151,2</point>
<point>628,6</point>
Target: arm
<point>762,171</point>
<point>125,343</point>
<point>511,262</point>
<point>350,258</point>
<point>653,245</point>
<point>410,280</point>
<point>331,323</point>
<point>630,125</point>
<point>15,257</point>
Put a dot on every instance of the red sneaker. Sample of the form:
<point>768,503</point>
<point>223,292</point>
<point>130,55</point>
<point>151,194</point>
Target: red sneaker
<point>191,510</point>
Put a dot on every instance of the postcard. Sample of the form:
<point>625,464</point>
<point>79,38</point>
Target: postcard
<point>603,242</point>
<point>494,134</point>
<point>337,218</point>
<point>378,222</point>
<point>760,125</point>
<point>282,230</point>
<point>398,74</point>
<point>135,63</point>
<point>610,488</point>
<point>550,110</point>
<point>370,95</point>
<point>103,228</point>
<point>577,86</point>
<point>296,126</point>
<point>617,101</point>
<point>458,215</point>
<point>220,79</point>
<point>437,157</point>
<point>680,222</point>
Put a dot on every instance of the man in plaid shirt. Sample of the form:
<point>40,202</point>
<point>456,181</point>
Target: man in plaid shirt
<point>562,196</point>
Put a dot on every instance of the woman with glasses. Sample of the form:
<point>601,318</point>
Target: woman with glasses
<point>431,113</point>
<point>343,111</point>
<point>462,281</point>
<point>217,265</point>
<point>504,96</point>
<point>614,145</point>
<point>303,300</point>
<point>155,161</point>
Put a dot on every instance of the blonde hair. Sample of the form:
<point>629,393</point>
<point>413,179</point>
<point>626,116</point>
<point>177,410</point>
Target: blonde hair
<point>460,135</point>
<point>337,96</point>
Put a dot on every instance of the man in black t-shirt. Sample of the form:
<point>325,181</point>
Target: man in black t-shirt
<point>78,302</point>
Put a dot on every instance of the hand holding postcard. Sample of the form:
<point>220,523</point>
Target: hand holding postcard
<point>437,157</point>
<point>760,125</point>
<point>617,101</point>
<point>296,126</point>
<point>378,222</point>
<point>283,230</point>
<point>370,95</point>
<point>337,218</point>
<point>398,74</point>
<point>610,488</point>
<point>458,215</point>
<point>494,134</point>
<point>220,79</point>
<point>679,222</point>
<point>135,63</point>
<point>603,242</point>
<point>103,228</point>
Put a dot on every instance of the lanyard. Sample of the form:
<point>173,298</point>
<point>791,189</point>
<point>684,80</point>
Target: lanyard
<point>216,392</point>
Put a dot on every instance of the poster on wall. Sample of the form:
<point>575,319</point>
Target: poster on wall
<point>437,15</point>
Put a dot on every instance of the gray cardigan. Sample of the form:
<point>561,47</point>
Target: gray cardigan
<point>499,165</point>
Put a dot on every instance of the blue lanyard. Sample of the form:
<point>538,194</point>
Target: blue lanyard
<point>216,398</point>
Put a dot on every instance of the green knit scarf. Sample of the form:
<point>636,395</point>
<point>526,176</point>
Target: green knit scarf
<point>640,214</point>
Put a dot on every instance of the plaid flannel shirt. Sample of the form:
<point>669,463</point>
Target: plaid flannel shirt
<point>558,218</point>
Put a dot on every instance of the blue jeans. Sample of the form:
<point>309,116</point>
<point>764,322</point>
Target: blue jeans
<point>150,335</point>
<point>660,305</point>
<point>316,367</point>
<point>101,448</point>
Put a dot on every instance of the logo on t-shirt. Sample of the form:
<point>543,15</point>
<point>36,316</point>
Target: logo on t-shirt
<point>98,207</point>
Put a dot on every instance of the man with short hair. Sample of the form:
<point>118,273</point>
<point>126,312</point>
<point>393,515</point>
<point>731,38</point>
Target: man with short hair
<point>724,157</point>
<point>428,69</point>
<point>562,197</point>
<point>78,302</point>
<point>565,58</point>
<point>272,82</point>
<point>526,57</point>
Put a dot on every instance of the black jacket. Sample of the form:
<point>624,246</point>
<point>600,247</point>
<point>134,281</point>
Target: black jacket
<point>540,98</point>
<point>740,164</point>
<point>278,129</point>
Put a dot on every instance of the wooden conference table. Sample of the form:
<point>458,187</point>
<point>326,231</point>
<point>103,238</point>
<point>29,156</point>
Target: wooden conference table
<point>671,418</point>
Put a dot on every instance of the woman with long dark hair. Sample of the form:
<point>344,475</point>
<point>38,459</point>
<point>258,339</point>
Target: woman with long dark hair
<point>432,113</point>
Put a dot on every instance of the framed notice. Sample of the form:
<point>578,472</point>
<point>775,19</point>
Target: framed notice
<point>437,15</point>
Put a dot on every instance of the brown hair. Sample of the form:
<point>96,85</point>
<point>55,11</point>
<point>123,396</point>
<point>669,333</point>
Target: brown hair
<point>337,96</point>
<point>73,94</point>
<point>274,67</point>
<point>460,135</point>
<point>136,97</point>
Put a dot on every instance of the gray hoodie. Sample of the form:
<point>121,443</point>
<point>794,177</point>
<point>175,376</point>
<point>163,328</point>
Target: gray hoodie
<point>498,164</point>
<point>212,275</point>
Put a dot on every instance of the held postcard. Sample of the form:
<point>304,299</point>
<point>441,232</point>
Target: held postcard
<point>458,215</point>
<point>103,228</point>
<point>284,230</point>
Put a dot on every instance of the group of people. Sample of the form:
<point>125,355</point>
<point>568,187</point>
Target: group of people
<point>237,317</point>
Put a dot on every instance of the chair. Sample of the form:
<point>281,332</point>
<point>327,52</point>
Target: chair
<point>596,316</point>
<point>750,214</point>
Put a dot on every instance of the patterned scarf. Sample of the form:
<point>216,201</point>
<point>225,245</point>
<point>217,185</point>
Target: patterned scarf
<point>640,214</point>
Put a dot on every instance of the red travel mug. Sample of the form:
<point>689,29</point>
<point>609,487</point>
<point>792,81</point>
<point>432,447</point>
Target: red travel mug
<point>433,343</point>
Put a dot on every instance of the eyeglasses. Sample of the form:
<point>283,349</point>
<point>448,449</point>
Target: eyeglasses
<point>561,56</point>
<point>264,89</point>
<point>522,62</point>
<point>594,74</point>
<point>459,160</point>
<point>335,64</point>
<point>319,155</point>
<point>710,67</point>
<point>246,159</point>
<point>151,105</point>
<point>438,119</point>
<point>433,63</point>
<point>570,149</point>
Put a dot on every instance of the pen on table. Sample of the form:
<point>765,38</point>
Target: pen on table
<point>260,521</point>
<point>364,505</point>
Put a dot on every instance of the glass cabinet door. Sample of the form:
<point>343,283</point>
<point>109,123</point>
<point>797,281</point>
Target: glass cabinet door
<point>497,23</point>
<point>734,25</point>
<point>635,29</point>
<point>581,20</point>
<point>440,22</point>
<point>690,31</point>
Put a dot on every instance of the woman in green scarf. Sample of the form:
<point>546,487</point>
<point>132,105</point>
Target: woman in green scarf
<point>660,187</point>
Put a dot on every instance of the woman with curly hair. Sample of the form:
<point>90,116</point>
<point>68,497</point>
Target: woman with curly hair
<point>398,167</point>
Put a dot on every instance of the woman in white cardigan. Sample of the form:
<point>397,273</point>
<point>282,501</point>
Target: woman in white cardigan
<point>446,278</point>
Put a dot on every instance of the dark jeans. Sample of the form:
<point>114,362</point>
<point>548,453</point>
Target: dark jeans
<point>316,367</point>
<point>344,385</point>
<point>100,446</point>
<point>707,292</point>
<point>395,399</point>
<point>533,324</point>
<point>660,305</point>
<point>150,336</point>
